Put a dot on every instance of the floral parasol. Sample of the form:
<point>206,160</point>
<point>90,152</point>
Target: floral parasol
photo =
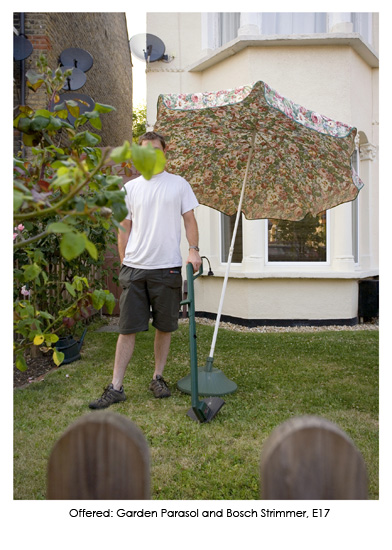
<point>300,164</point>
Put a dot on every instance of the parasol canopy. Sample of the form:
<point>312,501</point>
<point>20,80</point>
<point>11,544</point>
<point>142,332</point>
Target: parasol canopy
<point>300,162</point>
<point>251,150</point>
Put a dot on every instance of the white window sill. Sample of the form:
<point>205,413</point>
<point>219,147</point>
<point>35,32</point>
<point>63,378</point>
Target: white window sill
<point>355,40</point>
<point>294,272</point>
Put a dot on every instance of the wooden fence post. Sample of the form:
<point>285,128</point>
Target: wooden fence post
<point>310,458</point>
<point>102,456</point>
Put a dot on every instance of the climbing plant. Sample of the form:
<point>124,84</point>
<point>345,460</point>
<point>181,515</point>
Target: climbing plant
<point>68,198</point>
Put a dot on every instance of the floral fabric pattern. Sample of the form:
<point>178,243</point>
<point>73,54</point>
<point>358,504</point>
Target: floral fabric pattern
<point>295,168</point>
<point>310,119</point>
<point>202,100</point>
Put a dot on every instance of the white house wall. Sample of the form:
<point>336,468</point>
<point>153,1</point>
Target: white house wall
<point>339,79</point>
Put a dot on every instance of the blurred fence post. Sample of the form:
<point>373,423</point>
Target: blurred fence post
<point>102,456</point>
<point>310,458</point>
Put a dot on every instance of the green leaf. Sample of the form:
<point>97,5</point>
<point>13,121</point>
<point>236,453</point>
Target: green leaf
<point>57,149</point>
<point>101,108</point>
<point>119,211</point>
<point>45,315</point>
<point>70,289</point>
<point>18,199</point>
<point>160,162</point>
<point>43,112</point>
<point>91,248</point>
<point>60,107</point>
<point>59,227</point>
<point>122,153</point>
<point>110,302</point>
<point>91,114</point>
<point>115,196</point>
<point>73,107</point>
<point>35,86</point>
<point>20,164</point>
<point>79,282</point>
<point>21,363</point>
<point>24,124</point>
<point>51,339</point>
<point>30,140</point>
<point>114,182</point>
<point>98,299</point>
<point>31,271</point>
<point>72,245</point>
<point>96,123</point>
<point>58,357</point>
<point>87,139</point>
<point>38,256</point>
<point>62,180</point>
<point>25,109</point>
<point>38,123</point>
<point>54,124</point>
<point>147,160</point>
<point>143,159</point>
<point>33,76</point>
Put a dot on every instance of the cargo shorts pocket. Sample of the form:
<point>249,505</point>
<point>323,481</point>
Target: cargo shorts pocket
<point>124,277</point>
<point>173,278</point>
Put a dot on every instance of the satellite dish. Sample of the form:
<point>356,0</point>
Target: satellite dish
<point>76,80</point>
<point>22,47</point>
<point>76,57</point>
<point>148,47</point>
<point>85,103</point>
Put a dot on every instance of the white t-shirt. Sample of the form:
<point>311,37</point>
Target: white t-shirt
<point>155,207</point>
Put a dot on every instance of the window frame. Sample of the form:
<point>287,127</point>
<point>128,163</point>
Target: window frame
<point>221,240</point>
<point>324,263</point>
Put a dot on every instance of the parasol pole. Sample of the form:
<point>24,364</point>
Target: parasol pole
<point>231,250</point>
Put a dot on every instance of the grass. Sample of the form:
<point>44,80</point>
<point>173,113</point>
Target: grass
<point>279,375</point>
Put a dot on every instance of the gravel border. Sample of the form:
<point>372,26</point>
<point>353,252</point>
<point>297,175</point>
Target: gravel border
<point>263,328</point>
<point>113,324</point>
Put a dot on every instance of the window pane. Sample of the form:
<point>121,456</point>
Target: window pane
<point>229,23</point>
<point>362,23</point>
<point>227,227</point>
<point>293,22</point>
<point>303,241</point>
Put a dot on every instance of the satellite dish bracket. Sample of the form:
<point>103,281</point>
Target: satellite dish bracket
<point>149,48</point>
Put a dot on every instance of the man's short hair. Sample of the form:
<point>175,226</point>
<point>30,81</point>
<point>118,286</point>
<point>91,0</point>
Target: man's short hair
<point>150,136</point>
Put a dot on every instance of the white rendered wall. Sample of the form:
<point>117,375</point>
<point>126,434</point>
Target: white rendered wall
<point>331,77</point>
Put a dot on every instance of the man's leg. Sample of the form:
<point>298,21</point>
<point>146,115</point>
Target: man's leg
<point>114,393</point>
<point>124,352</point>
<point>161,351</point>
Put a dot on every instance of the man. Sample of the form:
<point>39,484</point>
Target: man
<point>149,249</point>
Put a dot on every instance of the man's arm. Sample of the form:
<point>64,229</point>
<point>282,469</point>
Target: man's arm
<point>122,237</point>
<point>192,235</point>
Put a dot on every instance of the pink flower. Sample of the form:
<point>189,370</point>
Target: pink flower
<point>20,227</point>
<point>24,291</point>
<point>15,235</point>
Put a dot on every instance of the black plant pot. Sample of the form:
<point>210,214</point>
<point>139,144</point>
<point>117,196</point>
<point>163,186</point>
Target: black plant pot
<point>70,347</point>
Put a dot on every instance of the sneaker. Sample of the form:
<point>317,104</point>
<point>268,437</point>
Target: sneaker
<point>109,396</point>
<point>159,387</point>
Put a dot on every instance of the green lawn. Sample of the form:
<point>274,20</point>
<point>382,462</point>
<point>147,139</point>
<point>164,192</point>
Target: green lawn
<point>279,375</point>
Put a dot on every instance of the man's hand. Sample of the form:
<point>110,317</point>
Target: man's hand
<point>194,259</point>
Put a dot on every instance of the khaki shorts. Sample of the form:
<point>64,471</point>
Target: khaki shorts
<point>158,290</point>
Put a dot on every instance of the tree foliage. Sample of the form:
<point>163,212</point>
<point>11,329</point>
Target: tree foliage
<point>139,122</point>
<point>67,201</point>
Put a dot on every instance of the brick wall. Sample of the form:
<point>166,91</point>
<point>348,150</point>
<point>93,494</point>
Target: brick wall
<point>109,81</point>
